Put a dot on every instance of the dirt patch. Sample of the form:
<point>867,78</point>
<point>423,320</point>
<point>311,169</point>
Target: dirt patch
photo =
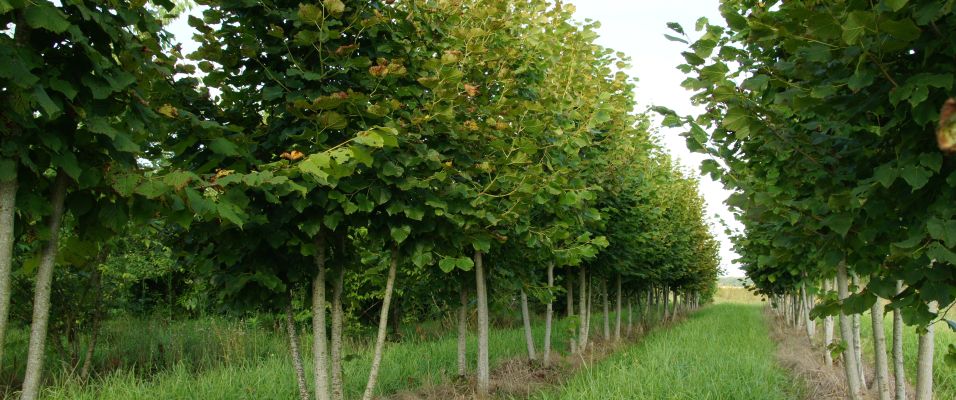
<point>805,362</point>
<point>520,378</point>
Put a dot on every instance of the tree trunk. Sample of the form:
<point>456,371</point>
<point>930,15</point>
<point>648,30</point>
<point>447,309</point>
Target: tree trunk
<point>924,362</point>
<point>338,315</point>
<point>319,337</point>
<point>382,327</point>
<point>827,331</point>
<point>647,307</point>
<point>630,314</point>
<point>607,306</point>
<point>857,341</point>
<point>879,351</point>
<point>846,333</point>
<point>588,313</point>
<point>482,295</point>
<point>528,335</point>
<point>570,294</point>
<point>617,321</point>
<point>898,372</point>
<point>548,312</point>
<point>8,199</point>
<point>674,310</point>
<point>582,309</point>
<point>807,322</point>
<point>666,297</point>
<point>41,299</point>
<point>97,287</point>
<point>296,355</point>
<point>462,332</point>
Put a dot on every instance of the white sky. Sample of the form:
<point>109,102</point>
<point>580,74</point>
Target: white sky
<point>637,27</point>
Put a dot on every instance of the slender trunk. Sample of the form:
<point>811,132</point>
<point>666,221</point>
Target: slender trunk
<point>879,351</point>
<point>482,295</point>
<point>807,322</point>
<point>665,317</point>
<point>647,307</point>
<point>528,335</point>
<point>570,293</point>
<point>827,331</point>
<point>924,362</point>
<point>607,301</point>
<point>319,337</point>
<point>857,341</point>
<point>338,315</point>
<point>41,299</point>
<point>898,371</point>
<point>630,314</point>
<point>588,314</point>
<point>382,327</point>
<point>674,310</point>
<point>846,333</point>
<point>548,312</point>
<point>617,320</point>
<point>582,309</point>
<point>296,355</point>
<point>8,199</point>
<point>462,332</point>
<point>97,287</point>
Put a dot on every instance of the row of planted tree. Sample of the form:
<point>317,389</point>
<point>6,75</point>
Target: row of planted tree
<point>825,118</point>
<point>303,143</point>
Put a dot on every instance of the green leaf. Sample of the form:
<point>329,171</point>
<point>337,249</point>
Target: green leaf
<point>316,165</point>
<point>334,7</point>
<point>151,189</point>
<point>895,5</point>
<point>50,107</point>
<point>447,264</point>
<point>464,263</point>
<point>230,212</point>
<point>839,223</point>
<point>46,17</point>
<point>223,146</point>
<point>332,120</point>
<point>915,176</point>
<point>886,175</point>
<point>68,162</point>
<point>401,233</point>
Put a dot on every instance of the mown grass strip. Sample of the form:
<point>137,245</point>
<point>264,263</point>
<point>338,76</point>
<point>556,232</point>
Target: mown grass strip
<point>721,352</point>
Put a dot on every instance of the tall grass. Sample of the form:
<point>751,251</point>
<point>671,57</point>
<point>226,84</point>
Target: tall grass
<point>721,352</point>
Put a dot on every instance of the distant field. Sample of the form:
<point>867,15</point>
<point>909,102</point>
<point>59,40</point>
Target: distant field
<point>731,294</point>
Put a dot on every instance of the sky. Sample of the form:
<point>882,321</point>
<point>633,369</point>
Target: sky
<point>637,28</point>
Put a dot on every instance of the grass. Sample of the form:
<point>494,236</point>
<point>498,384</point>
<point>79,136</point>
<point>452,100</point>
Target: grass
<point>721,352</point>
<point>248,359</point>
<point>944,376</point>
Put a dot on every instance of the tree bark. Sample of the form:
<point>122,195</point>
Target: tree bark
<point>647,307</point>
<point>382,327</point>
<point>570,294</point>
<point>857,341</point>
<point>319,337</point>
<point>666,297</point>
<point>588,313</point>
<point>338,315</point>
<point>97,287</point>
<point>617,321</point>
<point>463,332</point>
<point>898,372</point>
<point>924,362</point>
<point>526,319</point>
<point>548,312</point>
<point>8,199</point>
<point>846,333</point>
<point>482,298</point>
<point>582,309</point>
<point>607,304</point>
<point>41,299</point>
<point>296,355</point>
<point>879,351</point>
<point>827,331</point>
<point>630,314</point>
<point>807,322</point>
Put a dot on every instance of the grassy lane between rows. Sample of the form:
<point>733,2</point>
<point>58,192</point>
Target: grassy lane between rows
<point>721,352</point>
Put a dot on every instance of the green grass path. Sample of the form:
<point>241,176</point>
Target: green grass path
<point>721,352</point>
